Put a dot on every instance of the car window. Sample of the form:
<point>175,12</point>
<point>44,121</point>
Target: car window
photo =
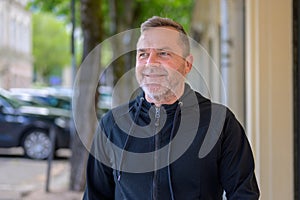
<point>6,99</point>
<point>54,101</point>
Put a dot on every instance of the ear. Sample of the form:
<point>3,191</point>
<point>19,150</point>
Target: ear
<point>188,63</point>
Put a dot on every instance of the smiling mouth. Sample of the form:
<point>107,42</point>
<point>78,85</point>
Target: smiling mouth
<point>154,78</point>
<point>152,86</point>
<point>154,75</point>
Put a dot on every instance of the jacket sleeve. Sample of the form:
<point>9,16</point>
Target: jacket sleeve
<point>99,177</point>
<point>99,181</point>
<point>237,162</point>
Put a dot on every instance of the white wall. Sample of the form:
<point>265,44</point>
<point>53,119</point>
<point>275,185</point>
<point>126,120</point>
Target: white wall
<point>269,94</point>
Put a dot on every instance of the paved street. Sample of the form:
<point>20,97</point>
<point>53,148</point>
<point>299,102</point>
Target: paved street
<point>25,179</point>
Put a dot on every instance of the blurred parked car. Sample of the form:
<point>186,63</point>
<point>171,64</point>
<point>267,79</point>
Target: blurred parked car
<point>45,100</point>
<point>44,97</point>
<point>28,126</point>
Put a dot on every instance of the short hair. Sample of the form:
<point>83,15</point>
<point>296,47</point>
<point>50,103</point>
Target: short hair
<point>156,21</point>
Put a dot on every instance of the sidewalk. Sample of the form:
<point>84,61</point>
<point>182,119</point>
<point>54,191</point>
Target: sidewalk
<point>41,195</point>
<point>58,190</point>
<point>23,179</point>
<point>55,195</point>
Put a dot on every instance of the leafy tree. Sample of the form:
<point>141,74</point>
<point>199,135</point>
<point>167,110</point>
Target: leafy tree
<point>50,45</point>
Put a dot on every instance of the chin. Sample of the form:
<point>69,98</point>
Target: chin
<point>156,95</point>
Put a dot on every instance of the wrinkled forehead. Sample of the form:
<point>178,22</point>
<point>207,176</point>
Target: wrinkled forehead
<point>160,38</point>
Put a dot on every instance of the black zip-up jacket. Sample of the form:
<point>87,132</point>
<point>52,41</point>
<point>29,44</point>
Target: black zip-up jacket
<point>192,149</point>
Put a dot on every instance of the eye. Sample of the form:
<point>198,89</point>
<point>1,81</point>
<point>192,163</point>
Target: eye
<point>143,55</point>
<point>164,54</point>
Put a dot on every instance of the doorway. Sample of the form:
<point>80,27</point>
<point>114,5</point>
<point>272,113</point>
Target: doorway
<point>296,72</point>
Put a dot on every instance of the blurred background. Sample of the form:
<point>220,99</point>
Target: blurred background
<point>253,68</point>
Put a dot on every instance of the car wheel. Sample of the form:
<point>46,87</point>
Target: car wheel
<point>37,144</point>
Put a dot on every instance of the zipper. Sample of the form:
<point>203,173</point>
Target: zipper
<point>157,116</point>
<point>156,144</point>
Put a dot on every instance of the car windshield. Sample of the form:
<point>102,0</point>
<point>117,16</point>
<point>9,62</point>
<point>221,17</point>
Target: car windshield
<point>11,100</point>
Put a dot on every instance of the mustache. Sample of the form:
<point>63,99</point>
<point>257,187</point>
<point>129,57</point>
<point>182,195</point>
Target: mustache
<point>155,71</point>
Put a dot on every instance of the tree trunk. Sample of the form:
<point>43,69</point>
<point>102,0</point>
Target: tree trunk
<point>92,29</point>
<point>121,19</point>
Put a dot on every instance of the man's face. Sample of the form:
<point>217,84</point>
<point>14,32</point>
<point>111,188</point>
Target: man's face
<point>160,67</point>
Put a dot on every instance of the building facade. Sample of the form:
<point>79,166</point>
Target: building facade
<point>16,68</point>
<point>251,43</point>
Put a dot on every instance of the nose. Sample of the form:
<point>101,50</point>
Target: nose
<point>152,58</point>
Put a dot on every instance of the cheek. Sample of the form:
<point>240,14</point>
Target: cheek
<point>138,72</point>
<point>175,64</point>
<point>177,68</point>
<point>138,68</point>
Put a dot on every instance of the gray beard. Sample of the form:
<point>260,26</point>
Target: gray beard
<point>164,96</point>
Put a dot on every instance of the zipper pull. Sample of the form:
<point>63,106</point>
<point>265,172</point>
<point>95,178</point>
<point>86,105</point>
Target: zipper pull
<point>157,115</point>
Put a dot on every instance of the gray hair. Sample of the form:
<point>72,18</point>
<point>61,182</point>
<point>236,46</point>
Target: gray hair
<point>156,21</point>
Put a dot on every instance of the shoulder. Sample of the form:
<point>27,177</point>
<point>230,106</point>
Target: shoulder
<point>117,113</point>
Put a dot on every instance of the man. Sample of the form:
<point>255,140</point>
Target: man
<point>169,142</point>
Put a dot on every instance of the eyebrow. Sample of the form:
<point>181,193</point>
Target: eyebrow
<point>158,49</point>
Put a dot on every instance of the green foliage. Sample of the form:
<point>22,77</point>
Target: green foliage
<point>50,45</point>
<point>60,8</point>
<point>178,10</point>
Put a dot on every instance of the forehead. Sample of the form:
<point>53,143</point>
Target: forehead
<point>160,38</point>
